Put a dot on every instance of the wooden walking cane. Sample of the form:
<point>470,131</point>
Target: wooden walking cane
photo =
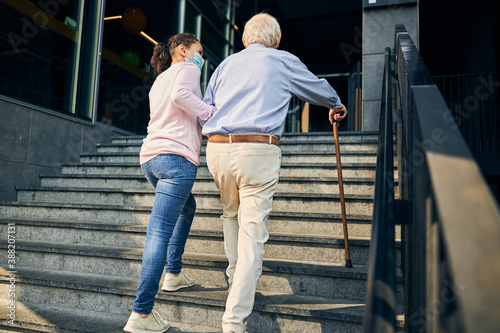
<point>348,262</point>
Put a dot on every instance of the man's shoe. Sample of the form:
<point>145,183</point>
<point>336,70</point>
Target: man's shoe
<point>153,323</point>
<point>173,283</point>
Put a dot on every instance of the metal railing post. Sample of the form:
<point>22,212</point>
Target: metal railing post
<point>380,313</point>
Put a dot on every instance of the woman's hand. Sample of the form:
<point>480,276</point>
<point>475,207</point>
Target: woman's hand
<point>338,114</point>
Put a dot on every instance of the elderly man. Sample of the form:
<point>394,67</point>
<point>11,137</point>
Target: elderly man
<point>251,91</point>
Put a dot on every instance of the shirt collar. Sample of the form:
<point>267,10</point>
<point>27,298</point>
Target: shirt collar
<point>255,45</point>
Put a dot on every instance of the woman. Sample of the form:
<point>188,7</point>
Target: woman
<point>169,159</point>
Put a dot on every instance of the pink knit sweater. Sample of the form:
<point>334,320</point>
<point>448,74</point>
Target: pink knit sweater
<point>175,104</point>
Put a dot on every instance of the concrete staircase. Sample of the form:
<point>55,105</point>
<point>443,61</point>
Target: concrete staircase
<point>79,239</point>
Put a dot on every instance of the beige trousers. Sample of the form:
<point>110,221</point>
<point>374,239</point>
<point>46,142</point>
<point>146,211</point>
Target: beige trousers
<point>246,175</point>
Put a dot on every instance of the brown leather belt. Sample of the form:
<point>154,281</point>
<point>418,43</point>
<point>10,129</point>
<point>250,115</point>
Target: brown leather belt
<point>231,138</point>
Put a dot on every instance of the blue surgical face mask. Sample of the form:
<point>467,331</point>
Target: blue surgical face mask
<point>197,60</point>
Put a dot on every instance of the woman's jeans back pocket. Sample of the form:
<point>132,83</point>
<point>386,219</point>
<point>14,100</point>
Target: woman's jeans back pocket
<point>167,166</point>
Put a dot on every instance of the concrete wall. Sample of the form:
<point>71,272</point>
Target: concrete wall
<point>34,142</point>
<point>378,33</point>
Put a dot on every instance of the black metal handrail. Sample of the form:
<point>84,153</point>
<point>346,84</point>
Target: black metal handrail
<point>380,312</point>
<point>451,238</point>
<point>450,224</point>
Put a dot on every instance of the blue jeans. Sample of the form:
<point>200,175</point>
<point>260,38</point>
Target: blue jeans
<point>174,206</point>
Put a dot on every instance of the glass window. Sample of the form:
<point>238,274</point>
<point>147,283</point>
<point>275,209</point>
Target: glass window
<point>215,11</point>
<point>191,20</point>
<point>213,41</point>
<point>39,49</point>
<point>130,30</point>
<point>49,53</point>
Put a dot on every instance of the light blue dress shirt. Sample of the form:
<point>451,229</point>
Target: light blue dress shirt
<point>251,91</point>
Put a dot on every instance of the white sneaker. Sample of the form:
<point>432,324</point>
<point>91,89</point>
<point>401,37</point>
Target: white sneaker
<point>173,283</point>
<point>153,323</point>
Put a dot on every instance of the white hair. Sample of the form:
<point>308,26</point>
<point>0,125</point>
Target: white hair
<point>262,28</point>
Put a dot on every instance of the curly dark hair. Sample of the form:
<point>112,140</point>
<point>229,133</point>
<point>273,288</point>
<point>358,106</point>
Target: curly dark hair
<point>163,51</point>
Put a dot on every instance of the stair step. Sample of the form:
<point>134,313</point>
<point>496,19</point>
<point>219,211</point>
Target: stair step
<point>293,277</point>
<point>31,317</point>
<point>286,137</point>
<point>352,170</point>
<point>359,226</point>
<point>95,181</point>
<point>304,247</point>
<point>307,273</point>
<point>57,211</point>
<point>199,305</point>
<point>343,135</point>
<point>288,146</point>
<point>325,185</point>
<point>35,317</point>
<point>133,236</point>
<point>285,184</point>
<point>70,217</point>
<point>135,214</point>
<point>40,317</point>
<point>291,202</point>
<point>287,157</point>
<point>67,231</point>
